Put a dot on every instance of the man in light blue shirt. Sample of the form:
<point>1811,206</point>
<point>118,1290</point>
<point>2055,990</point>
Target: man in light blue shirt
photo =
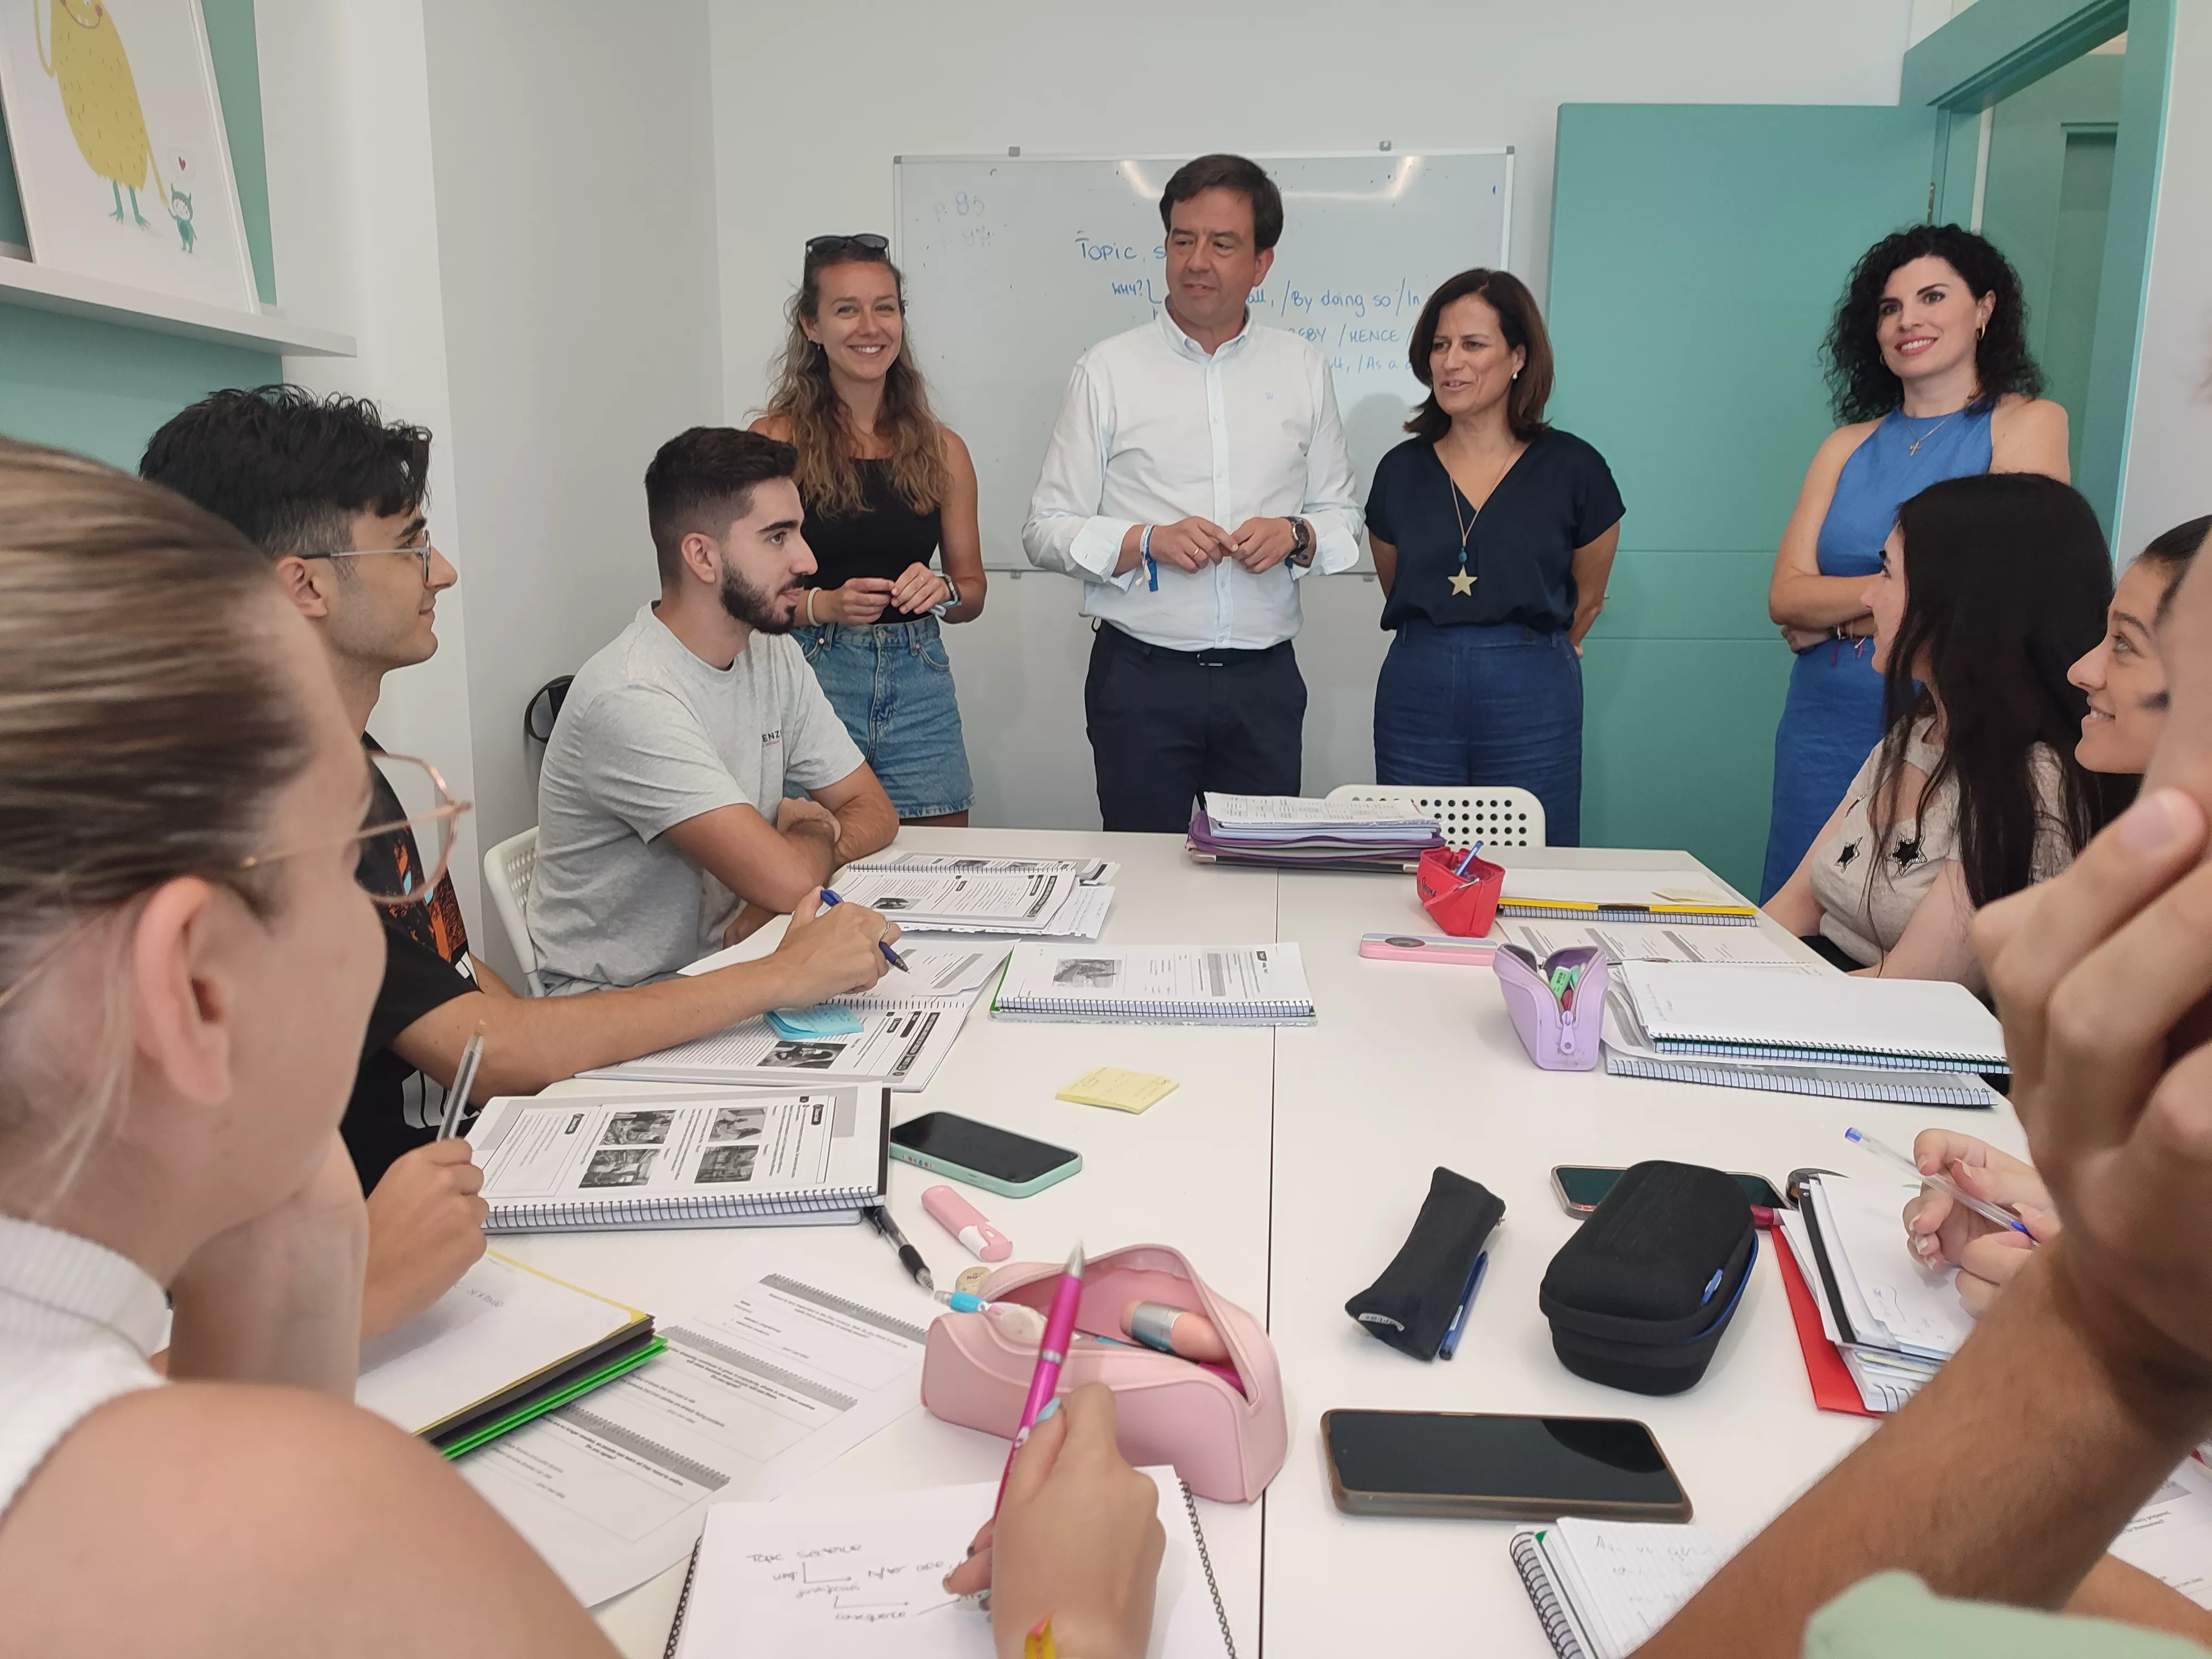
<point>1196,475</point>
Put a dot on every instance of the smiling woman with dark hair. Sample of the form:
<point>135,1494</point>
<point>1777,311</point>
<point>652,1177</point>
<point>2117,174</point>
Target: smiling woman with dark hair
<point>1929,370</point>
<point>1990,588</point>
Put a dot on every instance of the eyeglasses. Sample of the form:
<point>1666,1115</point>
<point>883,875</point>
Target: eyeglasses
<point>422,553</point>
<point>865,242</point>
<point>406,836</point>
<point>408,797</point>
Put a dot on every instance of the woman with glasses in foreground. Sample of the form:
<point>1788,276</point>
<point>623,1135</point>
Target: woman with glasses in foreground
<point>186,968</point>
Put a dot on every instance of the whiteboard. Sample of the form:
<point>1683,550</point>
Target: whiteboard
<point>1015,266</point>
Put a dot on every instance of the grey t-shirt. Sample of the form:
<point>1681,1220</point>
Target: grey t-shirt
<point>648,736</point>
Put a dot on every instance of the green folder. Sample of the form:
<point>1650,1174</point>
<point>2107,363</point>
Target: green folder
<point>623,1361</point>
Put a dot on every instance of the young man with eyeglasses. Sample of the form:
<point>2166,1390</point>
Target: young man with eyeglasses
<point>1197,475</point>
<point>335,495</point>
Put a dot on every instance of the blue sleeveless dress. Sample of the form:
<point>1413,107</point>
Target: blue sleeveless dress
<point>1833,714</point>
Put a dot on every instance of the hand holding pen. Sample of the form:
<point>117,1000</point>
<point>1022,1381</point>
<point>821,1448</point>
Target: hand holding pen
<point>1940,1231</point>
<point>890,956</point>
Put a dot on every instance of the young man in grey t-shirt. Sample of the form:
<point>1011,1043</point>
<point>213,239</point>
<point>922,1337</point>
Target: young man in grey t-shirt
<point>663,829</point>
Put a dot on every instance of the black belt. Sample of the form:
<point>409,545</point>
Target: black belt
<point>1220,656</point>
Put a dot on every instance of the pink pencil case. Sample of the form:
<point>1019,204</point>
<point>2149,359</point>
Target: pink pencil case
<point>1559,1029</point>
<point>1226,1438</point>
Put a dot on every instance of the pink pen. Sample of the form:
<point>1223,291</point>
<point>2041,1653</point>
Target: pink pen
<point>1052,1353</point>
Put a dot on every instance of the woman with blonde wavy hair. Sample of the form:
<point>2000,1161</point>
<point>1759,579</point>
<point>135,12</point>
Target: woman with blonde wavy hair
<point>886,485</point>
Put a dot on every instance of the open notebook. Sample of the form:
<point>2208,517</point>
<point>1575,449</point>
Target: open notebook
<point>862,1578</point>
<point>1602,1587</point>
<point>1751,1013</point>
<point>725,1158</point>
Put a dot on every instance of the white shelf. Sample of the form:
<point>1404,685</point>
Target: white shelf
<point>44,289</point>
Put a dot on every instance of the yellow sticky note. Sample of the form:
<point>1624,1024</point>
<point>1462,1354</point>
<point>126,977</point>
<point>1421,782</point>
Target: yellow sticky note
<point>1125,1091</point>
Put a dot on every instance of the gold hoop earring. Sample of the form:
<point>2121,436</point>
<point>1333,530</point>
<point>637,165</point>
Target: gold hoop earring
<point>1980,331</point>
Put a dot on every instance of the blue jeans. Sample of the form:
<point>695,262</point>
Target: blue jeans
<point>891,685</point>
<point>1484,706</point>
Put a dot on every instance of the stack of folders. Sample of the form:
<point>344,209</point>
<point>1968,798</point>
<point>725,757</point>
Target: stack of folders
<point>1892,1321</point>
<point>1740,1026</point>
<point>504,1345</point>
<point>1299,832</point>
<point>1252,985</point>
<point>997,898</point>
<point>1681,895</point>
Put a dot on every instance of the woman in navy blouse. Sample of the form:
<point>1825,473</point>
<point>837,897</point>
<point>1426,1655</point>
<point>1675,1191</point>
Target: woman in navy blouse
<point>1493,536</point>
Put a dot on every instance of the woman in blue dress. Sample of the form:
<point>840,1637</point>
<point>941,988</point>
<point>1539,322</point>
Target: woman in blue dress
<point>1929,370</point>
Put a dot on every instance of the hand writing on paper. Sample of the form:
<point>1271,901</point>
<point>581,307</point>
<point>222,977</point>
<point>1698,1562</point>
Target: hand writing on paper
<point>1078,1538</point>
<point>832,952</point>
<point>425,1229</point>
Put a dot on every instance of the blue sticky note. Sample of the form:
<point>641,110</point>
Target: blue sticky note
<point>827,1020</point>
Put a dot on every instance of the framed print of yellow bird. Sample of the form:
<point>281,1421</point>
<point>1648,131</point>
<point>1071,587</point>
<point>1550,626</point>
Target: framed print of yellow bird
<point>115,128</point>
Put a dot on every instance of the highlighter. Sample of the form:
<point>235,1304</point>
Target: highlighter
<point>965,1223</point>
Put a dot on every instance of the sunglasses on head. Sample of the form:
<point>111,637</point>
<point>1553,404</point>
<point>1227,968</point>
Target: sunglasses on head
<point>866,242</point>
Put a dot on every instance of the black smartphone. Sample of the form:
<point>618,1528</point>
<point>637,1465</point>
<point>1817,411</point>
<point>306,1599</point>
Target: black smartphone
<point>1580,1188</point>
<point>997,1160</point>
<point>1498,1468</point>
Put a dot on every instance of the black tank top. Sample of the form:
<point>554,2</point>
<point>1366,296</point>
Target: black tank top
<point>882,540</point>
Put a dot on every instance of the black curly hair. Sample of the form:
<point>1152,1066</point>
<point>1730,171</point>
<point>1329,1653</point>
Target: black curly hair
<point>1862,388</point>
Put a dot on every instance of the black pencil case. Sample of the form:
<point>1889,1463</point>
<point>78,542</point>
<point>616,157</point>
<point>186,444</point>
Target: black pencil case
<point>1640,1298</point>
<point>1411,1306</point>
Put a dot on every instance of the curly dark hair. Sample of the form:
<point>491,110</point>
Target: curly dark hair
<point>1861,386</point>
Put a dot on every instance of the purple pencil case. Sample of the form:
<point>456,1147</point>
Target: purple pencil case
<point>1560,1028</point>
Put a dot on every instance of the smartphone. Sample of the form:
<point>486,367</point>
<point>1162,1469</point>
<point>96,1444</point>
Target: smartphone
<point>997,1160</point>
<point>1498,1468</point>
<point>1425,947</point>
<point>1581,1186</point>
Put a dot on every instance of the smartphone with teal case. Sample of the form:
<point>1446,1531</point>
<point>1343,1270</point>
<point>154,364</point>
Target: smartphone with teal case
<point>997,1160</point>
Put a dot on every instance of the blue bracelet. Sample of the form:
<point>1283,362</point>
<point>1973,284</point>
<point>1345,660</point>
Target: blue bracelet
<point>1145,552</point>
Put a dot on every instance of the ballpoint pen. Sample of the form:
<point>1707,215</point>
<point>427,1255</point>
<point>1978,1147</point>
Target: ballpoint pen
<point>889,955</point>
<point>879,1217</point>
<point>1980,1206</point>
<point>1465,1312</point>
<point>457,1097</point>
<point>1052,1353</point>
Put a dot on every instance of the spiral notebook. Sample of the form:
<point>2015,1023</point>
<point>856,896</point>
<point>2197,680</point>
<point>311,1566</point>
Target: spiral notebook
<point>1683,895</point>
<point>1754,1013</point>
<point>1603,1587</point>
<point>729,1158</point>
<point>1244,985</point>
<point>861,1578</point>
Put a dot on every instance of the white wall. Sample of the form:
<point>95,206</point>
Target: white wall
<point>574,160</point>
<point>811,105</point>
<point>2169,476</point>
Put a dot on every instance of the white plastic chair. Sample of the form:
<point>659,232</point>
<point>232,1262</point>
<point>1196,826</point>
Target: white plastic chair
<point>508,868</point>
<point>1499,816</point>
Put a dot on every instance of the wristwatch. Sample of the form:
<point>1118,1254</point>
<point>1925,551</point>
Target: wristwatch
<point>952,594</point>
<point>1302,542</point>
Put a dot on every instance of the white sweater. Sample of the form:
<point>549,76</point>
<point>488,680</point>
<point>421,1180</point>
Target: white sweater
<point>77,1323</point>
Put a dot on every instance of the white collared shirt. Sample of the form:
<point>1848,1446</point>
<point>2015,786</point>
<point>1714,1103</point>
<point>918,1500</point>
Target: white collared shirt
<point>1152,430</point>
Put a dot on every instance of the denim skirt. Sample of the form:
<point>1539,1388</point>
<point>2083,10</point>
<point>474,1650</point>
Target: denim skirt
<point>891,685</point>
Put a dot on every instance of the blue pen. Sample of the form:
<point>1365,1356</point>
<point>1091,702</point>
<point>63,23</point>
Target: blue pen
<point>889,955</point>
<point>1458,1327</point>
<point>1959,1194</point>
<point>1468,860</point>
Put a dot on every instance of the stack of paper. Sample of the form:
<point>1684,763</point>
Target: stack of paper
<point>1257,985</point>
<point>1743,1025</point>
<point>1299,830</point>
<point>1026,899</point>
<point>1893,1321</point>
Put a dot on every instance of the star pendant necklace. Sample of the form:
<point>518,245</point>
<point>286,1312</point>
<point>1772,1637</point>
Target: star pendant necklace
<point>1462,582</point>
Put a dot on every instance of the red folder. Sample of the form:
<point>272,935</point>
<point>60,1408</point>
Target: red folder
<point>1832,1388</point>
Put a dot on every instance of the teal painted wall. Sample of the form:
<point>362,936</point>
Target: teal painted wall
<point>1697,252</point>
<point>2044,202</point>
<point>101,388</point>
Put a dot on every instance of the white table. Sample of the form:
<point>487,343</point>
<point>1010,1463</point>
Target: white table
<point>1289,1166</point>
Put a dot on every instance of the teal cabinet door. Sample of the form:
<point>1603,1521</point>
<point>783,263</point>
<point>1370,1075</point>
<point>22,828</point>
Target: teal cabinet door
<point>1696,252</point>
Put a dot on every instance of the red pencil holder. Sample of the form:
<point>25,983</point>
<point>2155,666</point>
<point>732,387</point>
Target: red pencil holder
<point>1462,905</point>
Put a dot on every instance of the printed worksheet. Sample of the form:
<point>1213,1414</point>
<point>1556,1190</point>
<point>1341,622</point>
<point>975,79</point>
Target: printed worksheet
<point>924,900</point>
<point>753,1395</point>
<point>2170,1536</point>
<point>1083,870</point>
<point>942,968</point>
<point>902,1040</point>
<point>1270,812</point>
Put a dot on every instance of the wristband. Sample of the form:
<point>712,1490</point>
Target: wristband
<point>811,592</point>
<point>1145,552</point>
